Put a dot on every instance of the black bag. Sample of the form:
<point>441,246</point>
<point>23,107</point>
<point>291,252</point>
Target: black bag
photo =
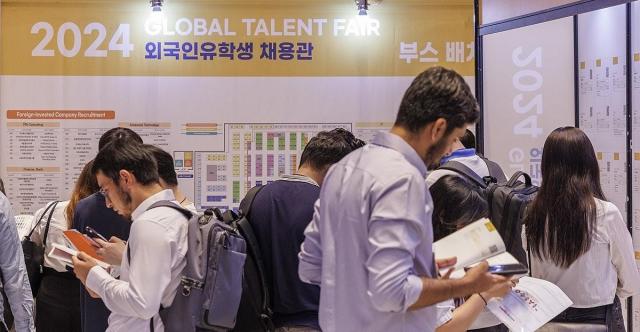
<point>507,203</point>
<point>34,253</point>
<point>254,313</point>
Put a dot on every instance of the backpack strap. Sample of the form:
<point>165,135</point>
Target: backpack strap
<point>249,236</point>
<point>495,170</point>
<point>46,229</point>
<point>247,201</point>
<point>514,179</point>
<point>465,171</point>
<point>186,213</point>
<point>165,203</point>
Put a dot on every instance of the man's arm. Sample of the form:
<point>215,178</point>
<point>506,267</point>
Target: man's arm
<point>310,256</point>
<point>396,230</point>
<point>13,271</point>
<point>149,275</point>
<point>476,280</point>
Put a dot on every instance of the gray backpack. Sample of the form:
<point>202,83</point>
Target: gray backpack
<point>210,288</point>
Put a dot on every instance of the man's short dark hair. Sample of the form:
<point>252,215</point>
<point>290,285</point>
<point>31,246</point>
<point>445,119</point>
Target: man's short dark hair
<point>166,168</point>
<point>118,133</point>
<point>437,93</point>
<point>2,187</point>
<point>131,156</point>
<point>468,140</point>
<point>328,147</point>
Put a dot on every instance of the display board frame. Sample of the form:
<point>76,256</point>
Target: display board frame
<point>570,10</point>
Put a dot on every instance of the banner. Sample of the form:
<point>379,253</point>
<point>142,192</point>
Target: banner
<point>278,38</point>
<point>233,90</point>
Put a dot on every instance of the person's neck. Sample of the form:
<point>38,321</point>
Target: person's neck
<point>413,139</point>
<point>312,173</point>
<point>141,194</point>
<point>180,197</point>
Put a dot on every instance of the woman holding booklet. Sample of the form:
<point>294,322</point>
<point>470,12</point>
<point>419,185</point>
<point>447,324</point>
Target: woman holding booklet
<point>58,300</point>
<point>456,203</point>
<point>575,238</point>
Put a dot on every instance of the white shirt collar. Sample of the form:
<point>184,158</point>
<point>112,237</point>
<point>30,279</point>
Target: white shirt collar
<point>164,195</point>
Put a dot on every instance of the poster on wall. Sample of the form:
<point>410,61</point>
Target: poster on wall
<point>602,94</point>
<point>602,81</point>
<point>528,92</point>
<point>233,90</point>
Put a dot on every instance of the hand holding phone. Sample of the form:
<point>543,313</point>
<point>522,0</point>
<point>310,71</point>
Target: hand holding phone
<point>93,234</point>
<point>508,269</point>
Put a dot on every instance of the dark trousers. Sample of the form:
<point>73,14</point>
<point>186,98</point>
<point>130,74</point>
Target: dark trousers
<point>58,303</point>
<point>609,315</point>
<point>497,328</point>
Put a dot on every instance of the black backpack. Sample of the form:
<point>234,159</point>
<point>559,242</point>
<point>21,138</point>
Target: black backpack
<point>254,312</point>
<point>507,201</point>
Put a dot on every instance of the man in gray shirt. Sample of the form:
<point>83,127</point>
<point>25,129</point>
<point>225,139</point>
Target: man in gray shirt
<point>13,273</point>
<point>369,243</point>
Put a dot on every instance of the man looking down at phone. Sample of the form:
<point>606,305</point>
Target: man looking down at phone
<point>128,178</point>
<point>111,251</point>
<point>369,245</point>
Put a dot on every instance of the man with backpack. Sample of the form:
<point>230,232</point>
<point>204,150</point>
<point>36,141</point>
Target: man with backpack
<point>155,256</point>
<point>464,152</point>
<point>279,214</point>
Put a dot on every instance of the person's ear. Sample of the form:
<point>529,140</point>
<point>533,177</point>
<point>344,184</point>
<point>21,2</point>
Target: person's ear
<point>126,177</point>
<point>438,129</point>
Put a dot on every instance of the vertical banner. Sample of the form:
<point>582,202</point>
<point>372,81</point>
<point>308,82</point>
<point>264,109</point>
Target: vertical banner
<point>602,92</point>
<point>602,76</point>
<point>234,90</point>
<point>635,147</point>
<point>528,92</point>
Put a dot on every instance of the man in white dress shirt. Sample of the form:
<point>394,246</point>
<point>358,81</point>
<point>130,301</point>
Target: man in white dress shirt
<point>128,178</point>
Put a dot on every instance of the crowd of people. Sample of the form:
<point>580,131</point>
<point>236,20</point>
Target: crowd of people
<point>347,241</point>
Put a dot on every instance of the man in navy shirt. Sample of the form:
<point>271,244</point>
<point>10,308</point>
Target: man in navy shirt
<point>280,213</point>
<point>93,211</point>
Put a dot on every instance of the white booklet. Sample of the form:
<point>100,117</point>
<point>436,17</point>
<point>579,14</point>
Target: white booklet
<point>531,304</point>
<point>472,244</point>
<point>64,254</point>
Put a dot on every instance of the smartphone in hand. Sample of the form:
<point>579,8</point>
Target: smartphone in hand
<point>93,234</point>
<point>508,269</point>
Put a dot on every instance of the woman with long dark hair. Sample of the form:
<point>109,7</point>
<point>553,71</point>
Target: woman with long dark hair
<point>577,239</point>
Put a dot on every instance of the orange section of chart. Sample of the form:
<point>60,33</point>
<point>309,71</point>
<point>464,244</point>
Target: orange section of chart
<point>255,154</point>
